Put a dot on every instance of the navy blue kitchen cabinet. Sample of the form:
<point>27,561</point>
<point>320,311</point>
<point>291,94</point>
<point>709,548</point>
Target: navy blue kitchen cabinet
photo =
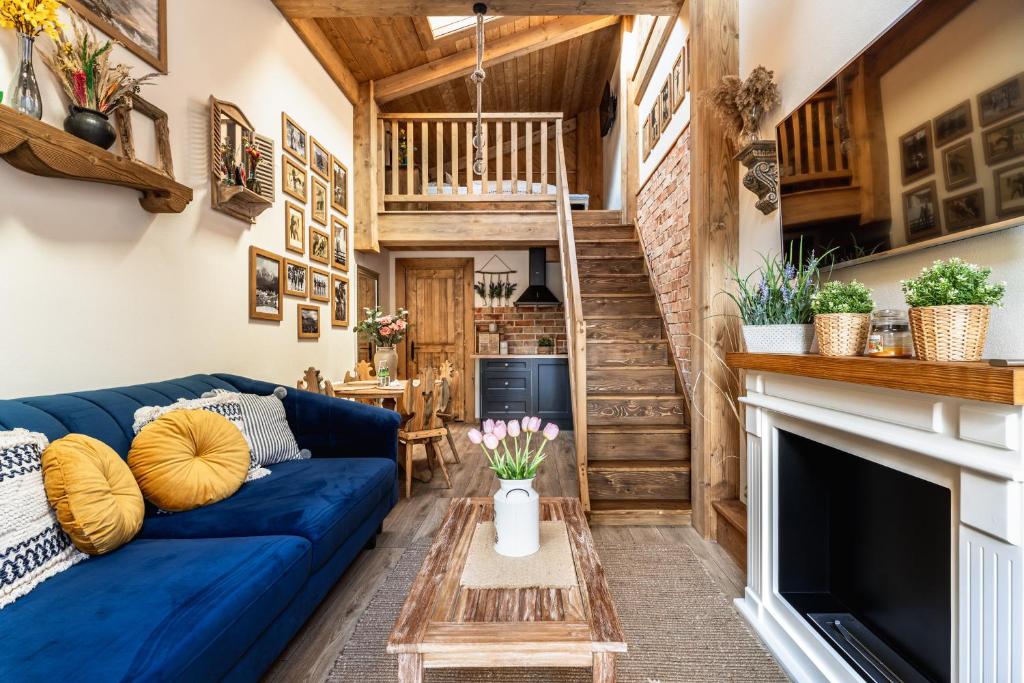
<point>513,387</point>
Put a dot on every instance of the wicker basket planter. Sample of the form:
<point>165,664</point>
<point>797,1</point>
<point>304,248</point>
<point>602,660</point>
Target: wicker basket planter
<point>842,334</point>
<point>949,333</point>
<point>778,338</point>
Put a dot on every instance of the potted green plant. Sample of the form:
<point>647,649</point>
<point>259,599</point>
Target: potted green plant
<point>949,304</point>
<point>494,293</point>
<point>776,312</point>
<point>842,317</point>
<point>481,290</point>
<point>508,289</point>
<point>545,345</point>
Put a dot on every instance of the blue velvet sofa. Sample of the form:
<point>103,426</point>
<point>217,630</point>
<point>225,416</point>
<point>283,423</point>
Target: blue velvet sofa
<point>214,593</point>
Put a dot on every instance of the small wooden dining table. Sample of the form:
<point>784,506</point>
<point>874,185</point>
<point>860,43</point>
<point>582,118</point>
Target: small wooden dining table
<point>386,397</point>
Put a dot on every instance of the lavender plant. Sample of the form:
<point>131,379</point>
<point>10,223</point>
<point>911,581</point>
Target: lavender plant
<point>784,293</point>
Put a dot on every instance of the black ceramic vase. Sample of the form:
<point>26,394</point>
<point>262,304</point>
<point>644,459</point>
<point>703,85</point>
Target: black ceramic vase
<point>91,126</point>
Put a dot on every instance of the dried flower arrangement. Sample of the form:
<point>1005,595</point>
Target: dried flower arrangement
<point>739,105</point>
<point>82,66</point>
<point>31,17</point>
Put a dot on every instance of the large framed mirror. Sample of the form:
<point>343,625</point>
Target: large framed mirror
<point>918,141</point>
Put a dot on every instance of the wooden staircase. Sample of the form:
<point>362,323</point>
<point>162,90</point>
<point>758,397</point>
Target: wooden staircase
<point>638,437</point>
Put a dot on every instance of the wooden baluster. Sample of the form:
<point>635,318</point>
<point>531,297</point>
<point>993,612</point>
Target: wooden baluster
<point>543,157</point>
<point>485,187</point>
<point>425,156</point>
<point>439,155</point>
<point>529,157</point>
<point>381,153</point>
<point>515,157</point>
<point>469,158</point>
<point>455,156</point>
<point>837,135</point>
<point>809,133</point>
<point>823,135</point>
<point>499,157</point>
<point>784,149</point>
<point>394,158</point>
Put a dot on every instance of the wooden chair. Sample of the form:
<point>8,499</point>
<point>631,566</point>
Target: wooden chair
<point>420,424</point>
<point>364,371</point>
<point>312,381</point>
<point>451,385</point>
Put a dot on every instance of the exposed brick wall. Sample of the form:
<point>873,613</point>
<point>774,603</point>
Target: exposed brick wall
<point>522,326</point>
<point>663,220</point>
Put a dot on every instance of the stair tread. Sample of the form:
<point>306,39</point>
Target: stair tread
<point>621,397</point>
<point>660,368</point>
<point>734,512</point>
<point>628,316</point>
<point>639,505</point>
<point>599,257</point>
<point>638,466</point>
<point>607,240</point>
<point>660,340</point>
<point>636,429</point>
<point>618,295</point>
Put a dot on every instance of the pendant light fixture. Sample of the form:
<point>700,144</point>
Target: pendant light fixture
<point>478,76</point>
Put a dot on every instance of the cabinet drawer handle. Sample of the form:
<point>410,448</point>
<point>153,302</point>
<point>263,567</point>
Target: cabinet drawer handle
<point>506,407</point>
<point>506,365</point>
<point>506,384</point>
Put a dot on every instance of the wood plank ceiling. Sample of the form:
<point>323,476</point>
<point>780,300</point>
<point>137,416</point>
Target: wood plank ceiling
<point>567,77</point>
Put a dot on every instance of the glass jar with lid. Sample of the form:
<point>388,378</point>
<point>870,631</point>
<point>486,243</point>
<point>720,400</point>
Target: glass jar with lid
<point>890,335</point>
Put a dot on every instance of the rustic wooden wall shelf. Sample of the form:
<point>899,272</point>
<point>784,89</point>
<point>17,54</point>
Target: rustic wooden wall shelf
<point>229,124</point>
<point>41,149</point>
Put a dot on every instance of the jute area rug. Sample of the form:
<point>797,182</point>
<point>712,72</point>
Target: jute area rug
<point>679,627</point>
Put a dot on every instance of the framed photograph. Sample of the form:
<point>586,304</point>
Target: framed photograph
<point>139,25</point>
<point>665,102</point>
<point>958,164</point>
<point>319,201</point>
<point>293,178</point>
<point>1010,190</point>
<point>294,228</point>
<point>1004,142</point>
<point>319,159</point>
<point>964,211</point>
<point>921,212</point>
<point>319,245</point>
<point>294,138</point>
<point>653,120</point>
<point>916,160</point>
<point>689,62</point>
<point>645,139</point>
<point>319,285</point>
<point>266,284</point>
<point>953,124</point>
<point>339,245</point>
<point>296,278</point>
<point>339,186</point>
<point>339,301</point>
<point>1001,101</point>
<point>309,321</point>
<point>679,80</point>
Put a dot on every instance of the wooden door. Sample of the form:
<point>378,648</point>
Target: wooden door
<point>438,293</point>
<point>367,296</point>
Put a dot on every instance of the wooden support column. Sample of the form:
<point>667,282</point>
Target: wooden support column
<point>366,156</point>
<point>629,115</point>
<point>714,248</point>
<point>590,157</point>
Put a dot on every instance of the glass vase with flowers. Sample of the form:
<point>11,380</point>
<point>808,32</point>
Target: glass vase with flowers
<point>28,18</point>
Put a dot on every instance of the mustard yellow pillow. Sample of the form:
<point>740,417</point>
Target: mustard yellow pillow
<point>97,501</point>
<point>188,458</point>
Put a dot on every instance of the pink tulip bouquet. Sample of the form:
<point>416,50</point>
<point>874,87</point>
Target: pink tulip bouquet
<point>508,446</point>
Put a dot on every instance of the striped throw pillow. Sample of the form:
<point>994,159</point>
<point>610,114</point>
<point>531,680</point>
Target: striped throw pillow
<point>266,427</point>
<point>33,547</point>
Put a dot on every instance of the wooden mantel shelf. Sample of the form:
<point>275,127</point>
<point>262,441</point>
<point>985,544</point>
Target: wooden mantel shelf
<point>41,149</point>
<point>975,381</point>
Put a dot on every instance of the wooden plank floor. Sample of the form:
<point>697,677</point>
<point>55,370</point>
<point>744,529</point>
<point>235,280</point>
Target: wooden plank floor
<point>313,651</point>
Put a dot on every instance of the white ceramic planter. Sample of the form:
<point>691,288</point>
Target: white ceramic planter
<point>516,518</point>
<point>778,338</point>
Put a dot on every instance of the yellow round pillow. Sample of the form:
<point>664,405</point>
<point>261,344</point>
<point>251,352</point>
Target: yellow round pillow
<point>97,501</point>
<point>188,458</point>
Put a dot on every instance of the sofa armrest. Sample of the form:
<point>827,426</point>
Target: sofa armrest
<point>331,427</point>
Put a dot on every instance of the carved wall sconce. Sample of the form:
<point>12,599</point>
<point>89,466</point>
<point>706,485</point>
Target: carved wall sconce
<point>762,177</point>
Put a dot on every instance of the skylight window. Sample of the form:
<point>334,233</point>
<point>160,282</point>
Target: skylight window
<point>446,26</point>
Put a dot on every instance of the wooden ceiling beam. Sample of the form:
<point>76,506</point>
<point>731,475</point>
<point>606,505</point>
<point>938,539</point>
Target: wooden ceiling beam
<point>323,49</point>
<point>320,9</point>
<point>496,52</point>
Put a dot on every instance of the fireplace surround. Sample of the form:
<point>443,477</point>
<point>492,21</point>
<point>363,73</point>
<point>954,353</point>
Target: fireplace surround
<point>902,510</point>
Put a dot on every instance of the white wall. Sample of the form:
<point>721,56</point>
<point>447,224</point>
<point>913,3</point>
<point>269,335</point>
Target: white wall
<point>96,292</point>
<point>611,145</point>
<point>807,41</point>
<point>680,118</point>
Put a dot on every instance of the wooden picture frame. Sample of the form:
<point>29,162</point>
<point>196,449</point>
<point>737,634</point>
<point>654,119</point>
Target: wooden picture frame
<point>921,212</point>
<point>291,171</point>
<point>294,139</point>
<point>689,62</point>
<point>339,244</point>
<point>665,102</point>
<point>958,165</point>
<point>655,125</point>
<point>319,245</point>
<point>645,139</point>
<point>318,200</point>
<point>92,12</point>
<point>1003,142</point>
<point>316,278</point>
<point>1009,182</point>
<point>917,154</point>
<point>319,159</point>
<point>294,228</point>
<point>1001,101</point>
<point>264,292</point>
<point>303,321</point>
<point>126,136</point>
<point>339,186</point>
<point>340,300</point>
<point>953,124</point>
<point>302,271</point>
<point>231,129</point>
<point>679,84</point>
<point>964,211</point>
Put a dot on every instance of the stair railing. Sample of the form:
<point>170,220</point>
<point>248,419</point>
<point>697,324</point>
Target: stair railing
<point>575,325</point>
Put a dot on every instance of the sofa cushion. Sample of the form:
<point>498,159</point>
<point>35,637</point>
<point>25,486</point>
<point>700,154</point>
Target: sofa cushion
<point>321,500</point>
<point>162,610</point>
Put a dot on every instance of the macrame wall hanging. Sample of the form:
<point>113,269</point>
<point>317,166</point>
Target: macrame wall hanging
<point>495,285</point>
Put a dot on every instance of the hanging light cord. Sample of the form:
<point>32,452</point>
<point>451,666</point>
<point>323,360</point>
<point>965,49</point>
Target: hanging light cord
<point>478,76</point>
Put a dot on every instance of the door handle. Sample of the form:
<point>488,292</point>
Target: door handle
<point>412,349</point>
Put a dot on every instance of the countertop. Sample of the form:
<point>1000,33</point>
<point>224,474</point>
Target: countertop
<point>519,355</point>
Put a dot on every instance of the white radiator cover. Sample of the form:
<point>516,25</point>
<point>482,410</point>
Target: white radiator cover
<point>972,448</point>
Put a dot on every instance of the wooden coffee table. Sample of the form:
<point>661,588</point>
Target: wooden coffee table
<point>443,625</point>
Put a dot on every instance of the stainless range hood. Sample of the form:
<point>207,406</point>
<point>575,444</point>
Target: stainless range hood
<point>538,294</point>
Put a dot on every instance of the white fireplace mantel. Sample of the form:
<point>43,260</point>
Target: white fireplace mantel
<point>973,448</point>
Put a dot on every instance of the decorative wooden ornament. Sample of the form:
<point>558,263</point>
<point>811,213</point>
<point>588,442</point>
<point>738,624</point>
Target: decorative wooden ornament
<point>229,126</point>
